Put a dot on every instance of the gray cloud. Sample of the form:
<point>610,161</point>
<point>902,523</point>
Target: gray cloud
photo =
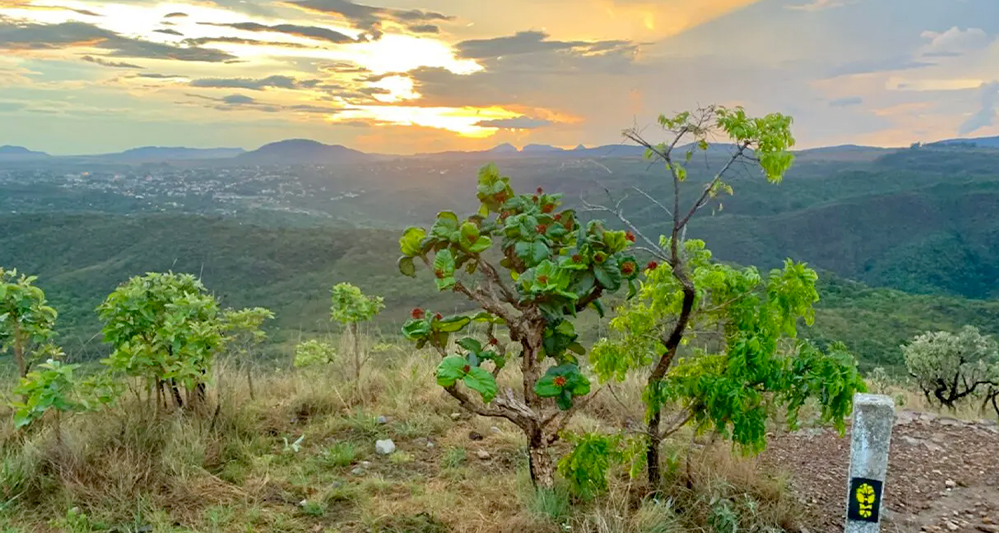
<point>154,76</point>
<point>280,82</point>
<point>236,99</point>
<point>239,40</point>
<point>867,66</point>
<point>312,32</point>
<point>70,34</point>
<point>175,14</point>
<point>521,123</point>
<point>533,42</point>
<point>987,114</point>
<point>845,102</point>
<point>169,32</point>
<point>424,28</point>
<point>368,18</point>
<point>106,63</point>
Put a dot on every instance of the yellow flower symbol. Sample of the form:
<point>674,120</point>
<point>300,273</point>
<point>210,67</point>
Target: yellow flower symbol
<point>866,499</point>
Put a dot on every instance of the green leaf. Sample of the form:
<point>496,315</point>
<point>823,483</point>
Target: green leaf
<point>406,266</point>
<point>470,344</point>
<point>546,387</point>
<point>481,244</point>
<point>409,243</point>
<point>481,381</point>
<point>446,227</point>
<point>444,269</point>
<point>415,329</point>
<point>564,401</point>
<point>608,274</point>
<point>451,324</point>
<point>451,370</point>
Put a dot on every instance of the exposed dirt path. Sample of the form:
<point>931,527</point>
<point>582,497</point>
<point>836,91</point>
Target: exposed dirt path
<point>942,475</point>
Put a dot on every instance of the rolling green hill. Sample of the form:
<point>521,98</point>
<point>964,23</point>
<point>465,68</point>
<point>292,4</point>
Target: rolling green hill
<point>81,258</point>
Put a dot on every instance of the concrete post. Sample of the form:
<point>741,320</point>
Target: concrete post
<point>870,432</point>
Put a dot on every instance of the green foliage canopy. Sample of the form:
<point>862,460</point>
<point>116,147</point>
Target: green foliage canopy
<point>749,361</point>
<point>162,327</point>
<point>351,306</point>
<point>26,321</point>
<point>951,366</point>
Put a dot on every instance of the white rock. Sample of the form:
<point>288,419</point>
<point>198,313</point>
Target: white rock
<point>456,416</point>
<point>483,455</point>
<point>381,419</point>
<point>385,447</point>
<point>365,464</point>
<point>950,484</point>
<point>495,429</point>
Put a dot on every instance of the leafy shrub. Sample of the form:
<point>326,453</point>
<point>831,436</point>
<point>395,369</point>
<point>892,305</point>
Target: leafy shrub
<point>26,321</point>
<point>164,328</point>
<point>313,352</point>
<point>349,307</point>
<point>559,268</point>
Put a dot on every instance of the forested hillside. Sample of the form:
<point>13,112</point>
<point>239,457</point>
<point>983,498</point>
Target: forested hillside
<point>81,258</point>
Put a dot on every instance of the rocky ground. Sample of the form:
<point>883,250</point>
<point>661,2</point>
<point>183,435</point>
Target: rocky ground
<point>942,475</point>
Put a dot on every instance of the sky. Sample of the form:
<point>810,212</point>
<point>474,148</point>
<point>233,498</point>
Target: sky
<point>411,76</point>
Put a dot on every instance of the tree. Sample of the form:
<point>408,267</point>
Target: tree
<point>242,332</point>
<point>26,322</point>
<point>951,366</point>
<point>742,361</point>
<point>559,268</point>
<point>350,306</point>
<point>763,142</point>
<point>53,387</point>
<point>165,329</point>
<point>313,352</point>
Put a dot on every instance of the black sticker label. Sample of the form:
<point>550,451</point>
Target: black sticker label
<point>864,499</point>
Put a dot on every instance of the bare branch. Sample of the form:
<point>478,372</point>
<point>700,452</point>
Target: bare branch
<point>651,199</point>
<point>653,249</point>
<point>567,415</point>
<point>702,200</point>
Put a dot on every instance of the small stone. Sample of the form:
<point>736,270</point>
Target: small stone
<point>385,447</point>
<point>358,471</point>
<point>336,484</point>
<point>366,464</point>
<point>495,429</point>
<point>951,526</point>
<point>381,419</point>
<point>456,416</point>
<point>430,444</point>
<point>950,483</point>
<point>483,455</point>
<point>475,436</point>
<point>303,503</point>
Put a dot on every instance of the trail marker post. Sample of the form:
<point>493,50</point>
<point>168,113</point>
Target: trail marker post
<point>870,431</point>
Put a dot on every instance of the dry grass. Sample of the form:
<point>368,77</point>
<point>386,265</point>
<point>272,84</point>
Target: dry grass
<point>126,469</point>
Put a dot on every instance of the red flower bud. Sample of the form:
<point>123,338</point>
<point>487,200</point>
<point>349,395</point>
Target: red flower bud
<point>466,369</point>
<point>534,199</point>
<point>628,267</point>
<point>438,274</point>
<point>437,316</point>
<point>630,236</point>
<point>543,279</point>
<point>539,190</point>
<point>494,342</point>
<point>576,258</point>
<point>471,238</point>
<point>499,197</point>
<point>651,265</point>
<point>541,228</point>
<point>547,208</point>
<point>417,313</point>
<point>557,217</point>
<point>559,381</point>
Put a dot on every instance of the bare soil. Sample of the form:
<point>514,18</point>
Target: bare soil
<point>942,475</point>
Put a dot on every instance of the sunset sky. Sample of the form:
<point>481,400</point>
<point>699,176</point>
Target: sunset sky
<point>91,76</point>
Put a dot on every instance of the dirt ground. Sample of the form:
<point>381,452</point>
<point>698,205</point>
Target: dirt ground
<point>942,475</point>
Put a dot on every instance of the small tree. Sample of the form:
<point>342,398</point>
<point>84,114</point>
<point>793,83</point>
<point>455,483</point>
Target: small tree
<point>312,353</point>
<point>350,306</point>
<point>559,268</point>
<point>243,333</point>
<point>165,329</point>
<point>763,142</point>
<point>735,382</point>
<point>53,387</point>
<point>26,321</point>
<point>951,366</point>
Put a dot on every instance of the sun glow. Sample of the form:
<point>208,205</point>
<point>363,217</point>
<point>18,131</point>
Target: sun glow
<point>461,120</point>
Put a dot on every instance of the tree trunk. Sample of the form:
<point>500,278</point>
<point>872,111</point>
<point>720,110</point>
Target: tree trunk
<point>177,394</point>
<point>357,350</point>
<point>250,383</point>
<point>653,451</point>
<point>539,463</point>
<point>59,440</point>
<point>22,364</point>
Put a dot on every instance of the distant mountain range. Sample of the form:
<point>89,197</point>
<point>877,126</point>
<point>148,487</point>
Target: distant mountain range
<point>305,151</point>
